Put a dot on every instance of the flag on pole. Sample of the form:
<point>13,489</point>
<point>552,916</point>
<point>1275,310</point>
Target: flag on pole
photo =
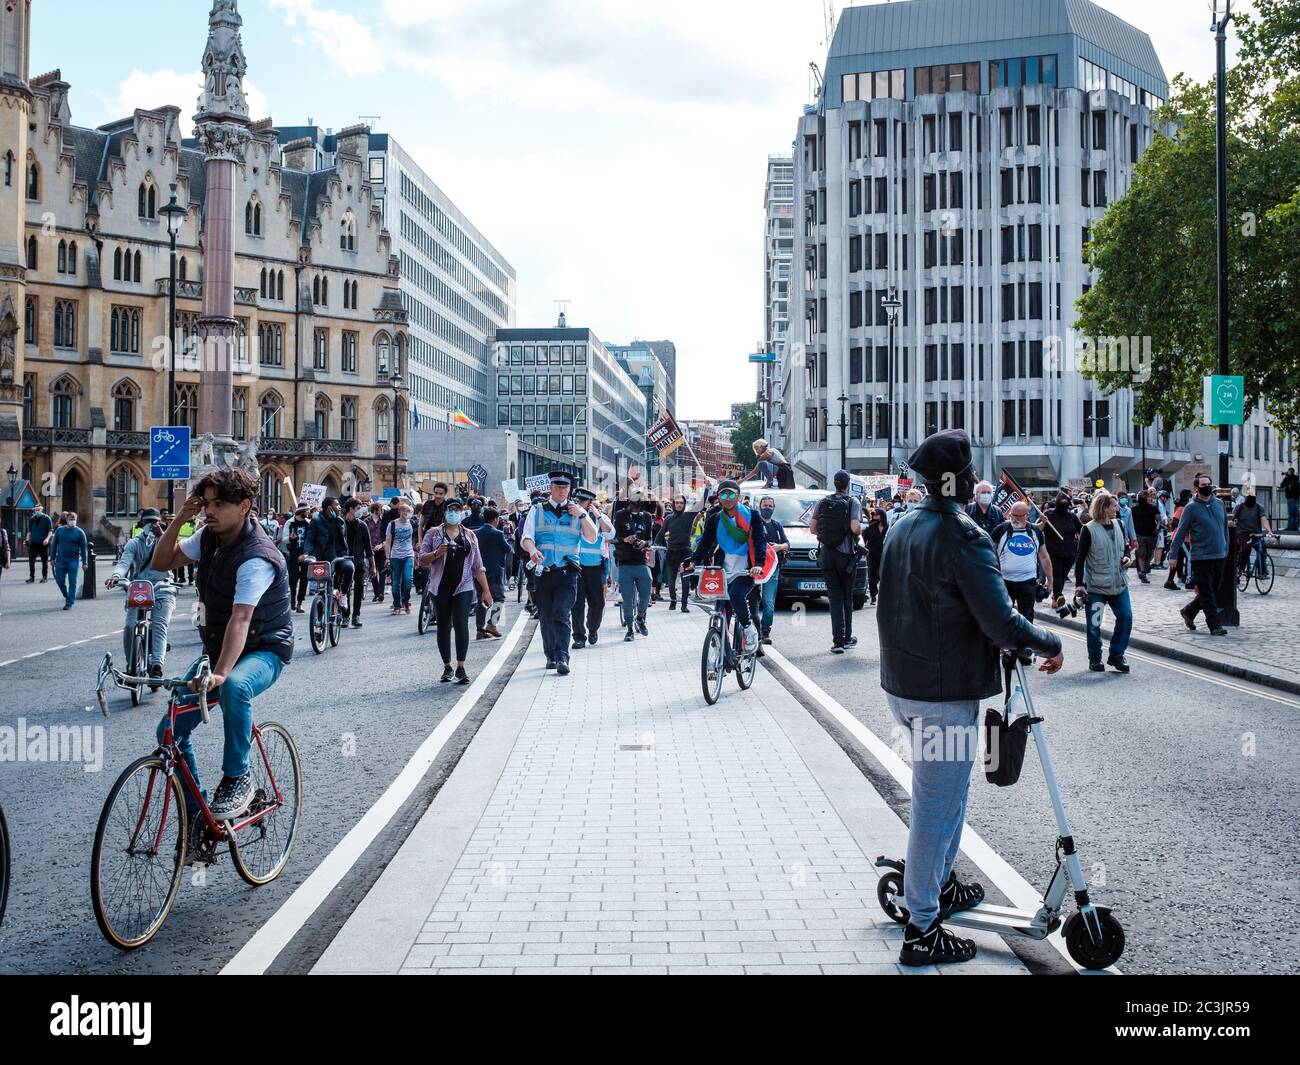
<point>459,417</point>
<point>415,416</point>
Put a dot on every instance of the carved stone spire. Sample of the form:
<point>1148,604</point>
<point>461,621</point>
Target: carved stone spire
<point>222,119</point>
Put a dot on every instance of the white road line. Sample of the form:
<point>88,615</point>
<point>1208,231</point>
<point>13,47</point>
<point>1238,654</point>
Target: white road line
<point>1023,895</point>
<point>256,956</point>
<point>61,647</point>
<point>1206,676</point>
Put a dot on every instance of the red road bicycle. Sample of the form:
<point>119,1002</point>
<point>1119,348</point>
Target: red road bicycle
<point>143,842</point>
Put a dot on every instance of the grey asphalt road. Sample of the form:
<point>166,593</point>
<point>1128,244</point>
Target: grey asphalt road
<point>357,712</point>
<point>1180,785</point>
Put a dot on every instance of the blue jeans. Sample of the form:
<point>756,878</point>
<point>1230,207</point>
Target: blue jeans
<point>945,738</point>
<point>403,573</point>
<point>769,603</point>
<point>1293,515</point>
<point>250,677</point>
<point>65,576</point>
<point>1123,611</point>
<point>164,602</point>
<point>634,588</point>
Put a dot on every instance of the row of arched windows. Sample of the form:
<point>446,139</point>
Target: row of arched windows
<point>67,257</point>
<point>147,200</point>
<point>320,291</point>
<point>253,218</point>
<point>271,286</point>
<point>126,265</point>
<point>124,330</point>
<point>349,295</point>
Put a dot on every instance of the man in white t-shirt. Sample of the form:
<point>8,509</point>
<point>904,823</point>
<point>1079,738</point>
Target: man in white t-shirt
<point>245,619</point>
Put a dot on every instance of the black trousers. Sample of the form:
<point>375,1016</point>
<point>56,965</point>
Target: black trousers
<point>873,573</point>
<point>838,569</point>
<point>554,595</point>
<point>297,579</point>
<point>453,613</point>
<point>588,602</point>
<point>358,587</point>
<point>673,559</point>
<point>41,551</point>
<point>1206,574</point>
<point>381,563</point>
<point>1061,566</point>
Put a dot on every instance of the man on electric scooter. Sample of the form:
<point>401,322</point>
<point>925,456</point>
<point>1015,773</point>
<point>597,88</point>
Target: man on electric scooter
<point>943,617</point>
<point>245,620</point>
<point>137,564</point>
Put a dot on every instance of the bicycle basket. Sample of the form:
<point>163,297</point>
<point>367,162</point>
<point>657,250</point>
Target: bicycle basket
<point>139,595</point>
<point>713,583</point>
<point>319,571</point>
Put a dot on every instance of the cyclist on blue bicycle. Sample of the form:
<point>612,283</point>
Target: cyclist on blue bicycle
<point>245,620</point>
<point>734,534</point>
<point>137,564</point>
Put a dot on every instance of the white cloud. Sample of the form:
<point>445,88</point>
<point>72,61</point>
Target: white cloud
<point>347,43</point>
<point>157,88</point>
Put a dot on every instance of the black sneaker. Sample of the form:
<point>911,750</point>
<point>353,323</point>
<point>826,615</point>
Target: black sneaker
<point>592,637</point>
<point>232,797</point>
<point>550,663</point>
<point>640,627</point>
<point>852,641</point>
<point>461,676</point>
<point>356,623</point>
<point>1096,667</point>
<point>155,671</point>
<point>447,674</point>
<point>629,637</point>
<point>955,896</point>
<point>1117,663</point>
<point>936,946</point>
<point>837,648</point>
<point>1187,617</point>
<point>1143,578</point>
<point>1218,630</point>
<point>578,645</point>
<point>562,668</point>
<point>685,608</point>
<point>1171,585</point>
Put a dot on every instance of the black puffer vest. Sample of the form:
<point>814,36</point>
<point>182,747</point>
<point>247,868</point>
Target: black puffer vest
<point>272,626</point>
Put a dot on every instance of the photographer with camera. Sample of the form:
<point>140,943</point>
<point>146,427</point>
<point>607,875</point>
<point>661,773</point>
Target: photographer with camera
<point>633,533</point>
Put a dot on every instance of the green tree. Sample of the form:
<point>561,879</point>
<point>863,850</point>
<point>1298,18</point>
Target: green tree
<point>749,427</point>
<point>1156,246</point>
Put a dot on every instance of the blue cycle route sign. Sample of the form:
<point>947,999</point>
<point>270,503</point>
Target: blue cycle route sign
<point>169,453</point>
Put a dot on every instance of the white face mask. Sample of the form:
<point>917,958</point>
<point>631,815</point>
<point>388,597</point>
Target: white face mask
<point>985,498</point>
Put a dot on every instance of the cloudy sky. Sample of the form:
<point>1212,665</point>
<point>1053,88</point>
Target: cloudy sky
<point>612,150</point>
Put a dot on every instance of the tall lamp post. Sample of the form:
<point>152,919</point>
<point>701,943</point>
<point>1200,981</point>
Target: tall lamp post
<point>1222,12</point>
<point>891,303</point>
<point>844,447</point>
<point>13,510</point>
<point>173,214</point>
<point>398,388</point>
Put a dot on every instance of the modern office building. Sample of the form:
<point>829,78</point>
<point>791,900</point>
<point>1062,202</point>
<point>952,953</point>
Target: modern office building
<point>959,153</point>
<point>642,365</point>
<point>560,389</point>
<point>456,287</point>
<point>778,254</point>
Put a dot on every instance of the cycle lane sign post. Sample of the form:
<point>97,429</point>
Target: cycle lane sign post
<point>169,453</point>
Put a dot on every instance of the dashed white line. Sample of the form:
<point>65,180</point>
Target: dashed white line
<point>61,647</point>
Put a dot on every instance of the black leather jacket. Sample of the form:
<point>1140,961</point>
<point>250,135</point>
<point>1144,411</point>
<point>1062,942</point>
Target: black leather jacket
<point>944,610</point>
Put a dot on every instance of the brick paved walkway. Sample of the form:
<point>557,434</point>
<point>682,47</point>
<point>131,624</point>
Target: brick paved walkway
<point>735,839</point>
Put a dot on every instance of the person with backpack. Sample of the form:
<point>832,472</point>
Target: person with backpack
<point>837,524</point>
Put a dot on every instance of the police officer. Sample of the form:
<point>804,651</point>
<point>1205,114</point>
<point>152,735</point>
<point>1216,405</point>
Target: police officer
<point>589,603</point>
<point>552,537</point>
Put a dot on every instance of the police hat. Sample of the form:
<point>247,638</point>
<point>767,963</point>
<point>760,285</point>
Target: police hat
<point>584,495</point>
<point>560,477</point>
<point>944,453</point>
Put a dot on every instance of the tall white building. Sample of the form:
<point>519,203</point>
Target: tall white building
<point>959,152</point>
<point>778,255</point>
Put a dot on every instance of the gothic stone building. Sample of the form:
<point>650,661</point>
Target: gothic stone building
<point>84,267</point>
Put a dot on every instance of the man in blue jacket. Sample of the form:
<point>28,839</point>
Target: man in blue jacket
<point>39,531</point>
<point>1205,526</point>
<point>71,551</point>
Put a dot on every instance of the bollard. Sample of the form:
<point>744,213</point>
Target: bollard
<point>88,585</point>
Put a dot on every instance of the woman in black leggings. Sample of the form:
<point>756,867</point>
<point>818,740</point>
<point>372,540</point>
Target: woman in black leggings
<point>451,551</point>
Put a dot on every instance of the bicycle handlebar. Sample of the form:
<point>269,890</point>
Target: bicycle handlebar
<point>126,680</point>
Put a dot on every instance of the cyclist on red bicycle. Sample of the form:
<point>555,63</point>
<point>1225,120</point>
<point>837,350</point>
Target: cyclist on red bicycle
<point>245,619</point>
<point>733,537</point>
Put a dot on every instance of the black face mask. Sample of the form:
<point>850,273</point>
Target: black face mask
<point>1204,490</point>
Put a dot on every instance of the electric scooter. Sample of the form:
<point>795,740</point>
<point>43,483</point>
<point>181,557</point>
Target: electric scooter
<point>1093,936</point>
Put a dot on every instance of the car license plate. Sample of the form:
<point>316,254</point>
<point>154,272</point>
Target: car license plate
<point>812,586</point>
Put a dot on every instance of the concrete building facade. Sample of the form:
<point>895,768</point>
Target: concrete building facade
<point>778,256</point>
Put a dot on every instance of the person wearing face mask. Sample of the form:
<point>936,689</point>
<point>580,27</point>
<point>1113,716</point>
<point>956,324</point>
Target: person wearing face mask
<point>136,564</point>
<point>675,536</point>
<point>775,533</point>
<point>1099,576</point>
<point>633,533</point>
<point>455,566</point>
<point>1250,519</point>
<point>1020,549</point>
<point>589,602</point>
<point>1061,533</point>
<point>873,536</point>
<point>982,511</point>
<point>1203,525</point>
<point>1146,525</point>
<point>944,614</point>
<point>70,550</point>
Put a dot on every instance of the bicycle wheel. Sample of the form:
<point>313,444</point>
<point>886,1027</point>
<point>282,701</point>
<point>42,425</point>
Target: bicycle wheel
<point>138,860</point>
<point>746,662</point>
<point>335,626</point>
<point>1264,574</point>
<point>261,850</point>
<point>316,625</point>
<point>138,665</point>
<point>1243,577</point>
<point>425,620</point>
<point>4,864</point>
<point>711,662</point>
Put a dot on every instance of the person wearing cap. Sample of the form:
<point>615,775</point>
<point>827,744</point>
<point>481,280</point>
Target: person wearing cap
<point>552,538</point>
<point>292,541</point>
<point>943,617</point>
<point>136,564</point>
<point>736,533</point>
<point>589,602</point>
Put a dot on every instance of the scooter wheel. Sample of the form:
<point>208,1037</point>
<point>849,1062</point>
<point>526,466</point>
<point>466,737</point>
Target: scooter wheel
<point>889,891</point>
<point>1083,950</point>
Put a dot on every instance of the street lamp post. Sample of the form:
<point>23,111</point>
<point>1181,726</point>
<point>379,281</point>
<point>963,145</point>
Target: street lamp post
<point>13,509</point>
<point>891,303</point>
<point>844,448</point>
<point>397,394</point>
<point>173,214</point>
